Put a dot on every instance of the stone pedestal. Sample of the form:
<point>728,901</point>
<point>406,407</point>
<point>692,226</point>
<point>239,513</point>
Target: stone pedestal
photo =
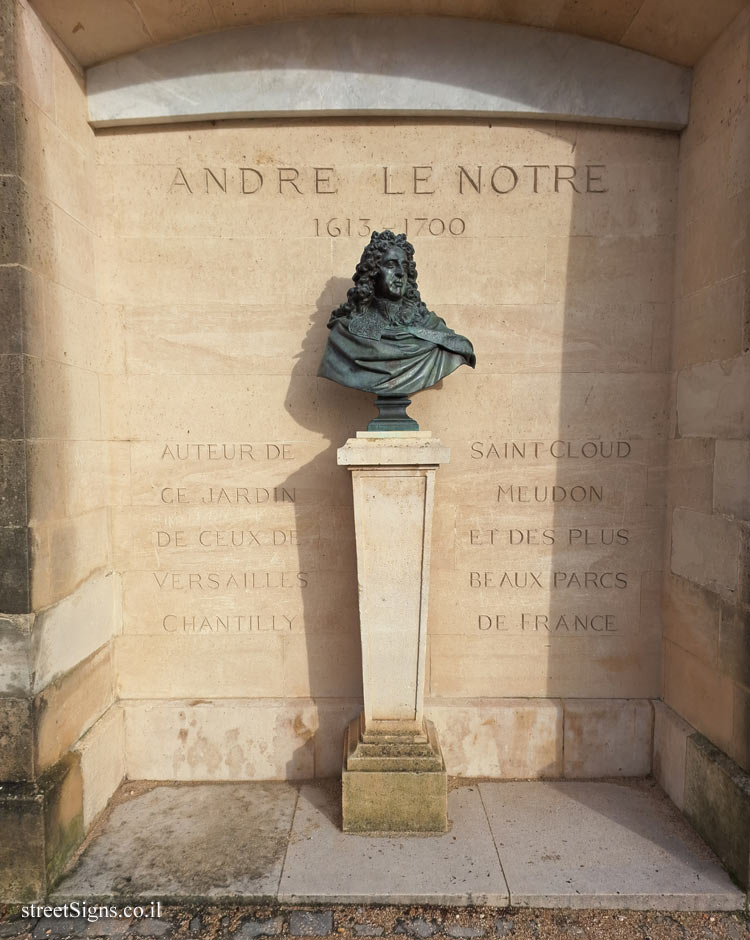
<point>393,774</point>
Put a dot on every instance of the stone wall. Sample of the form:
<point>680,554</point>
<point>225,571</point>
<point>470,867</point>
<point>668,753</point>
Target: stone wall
<point>675,30</point>
<point>58,601</point>
<point>16,721</point>
<point>224,248</point>
<point>707,590</point>
<point>707,638</point>
<point>178,584</point>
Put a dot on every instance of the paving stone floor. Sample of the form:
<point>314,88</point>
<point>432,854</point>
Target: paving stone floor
<point>240,861</point>
<point>616,845</point>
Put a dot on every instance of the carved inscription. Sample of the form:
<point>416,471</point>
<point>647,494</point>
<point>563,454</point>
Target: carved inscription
<point>555,580</point>
<point>228,495</point>
<point>227,538</point>
<point>190,450</point>
<point>575,536</point>
<point>544,623</point>
<point>578,493</point>
<point>216,576</point>
<point>560,450</point>
<point>472,183</point>
<point>497,179</point>
<point>228,623</point>
<point>555,595</point>
<point>202,581</point>
<point>362,228</point>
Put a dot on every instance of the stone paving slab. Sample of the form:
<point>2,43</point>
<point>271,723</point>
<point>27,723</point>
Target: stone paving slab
<point>602,845</point>
<point>558,844</point>
<point>324,864</point>
<point>208,841</point>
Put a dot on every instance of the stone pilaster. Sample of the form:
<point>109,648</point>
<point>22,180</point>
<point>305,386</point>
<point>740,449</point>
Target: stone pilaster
<point>40,816</point>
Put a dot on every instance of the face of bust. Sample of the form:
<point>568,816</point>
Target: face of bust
<point>391,279</point>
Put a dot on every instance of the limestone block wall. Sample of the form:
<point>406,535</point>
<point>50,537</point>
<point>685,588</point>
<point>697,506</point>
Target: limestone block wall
<point>58,601</point>
<point>19,871</point>
<point>702,732</point>
<point>707,591</point>
<point>178,593</point>
<point>676,30</point>
<point>71,346</point>
<point>224,249</point>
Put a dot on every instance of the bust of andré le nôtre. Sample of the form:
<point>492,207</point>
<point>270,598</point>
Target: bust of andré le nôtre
<point>383,339</point>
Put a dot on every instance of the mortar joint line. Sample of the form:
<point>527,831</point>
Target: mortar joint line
<point>288,840</point>
<point>494,842</point>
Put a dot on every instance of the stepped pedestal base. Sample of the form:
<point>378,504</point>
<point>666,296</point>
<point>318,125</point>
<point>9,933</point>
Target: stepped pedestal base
<point>393,782</point>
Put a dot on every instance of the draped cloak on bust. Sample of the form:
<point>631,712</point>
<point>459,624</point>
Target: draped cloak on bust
<point>392,348</point>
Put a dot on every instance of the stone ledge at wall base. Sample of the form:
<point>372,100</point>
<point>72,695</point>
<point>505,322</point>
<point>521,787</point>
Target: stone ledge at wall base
<point>500,739</point>
<point>41,825</point>
<point>102,754</point>
<point>717,803</point>
<point>710,788</point>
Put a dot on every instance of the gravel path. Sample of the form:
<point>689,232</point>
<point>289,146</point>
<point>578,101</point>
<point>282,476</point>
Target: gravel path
<point>247,923</point>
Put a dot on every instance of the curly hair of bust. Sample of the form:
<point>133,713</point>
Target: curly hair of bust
<point>363,291</point>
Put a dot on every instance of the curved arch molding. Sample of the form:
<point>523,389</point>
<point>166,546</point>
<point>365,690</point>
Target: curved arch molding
<point>411,65</point>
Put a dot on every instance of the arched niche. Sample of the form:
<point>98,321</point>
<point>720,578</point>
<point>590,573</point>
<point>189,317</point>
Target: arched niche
<point>422,66</point>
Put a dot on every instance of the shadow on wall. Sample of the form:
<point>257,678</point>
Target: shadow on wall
<point>609,447</point>
<point>565,490</point>
<point>607,454</point>
<point>324,519</point>
<point>579,494</point>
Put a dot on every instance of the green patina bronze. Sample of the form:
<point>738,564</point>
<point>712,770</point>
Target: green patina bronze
<point>383,338</point>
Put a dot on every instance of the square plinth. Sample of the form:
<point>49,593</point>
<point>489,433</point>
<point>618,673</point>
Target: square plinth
<point>383,788</point>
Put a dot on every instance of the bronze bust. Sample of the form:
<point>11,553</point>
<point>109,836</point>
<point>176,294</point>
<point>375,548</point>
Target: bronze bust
<point>383,338</point>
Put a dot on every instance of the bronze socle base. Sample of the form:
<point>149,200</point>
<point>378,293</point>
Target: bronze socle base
<point>392,414</point>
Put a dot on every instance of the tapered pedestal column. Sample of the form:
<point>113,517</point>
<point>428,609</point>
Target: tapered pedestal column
<point>393,775</point>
